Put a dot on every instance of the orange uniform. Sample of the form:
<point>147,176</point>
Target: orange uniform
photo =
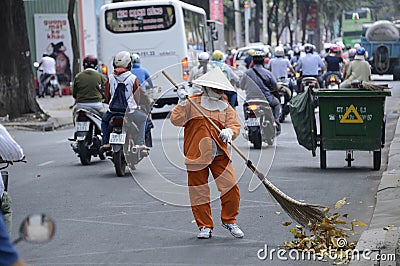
<point>204,151</point>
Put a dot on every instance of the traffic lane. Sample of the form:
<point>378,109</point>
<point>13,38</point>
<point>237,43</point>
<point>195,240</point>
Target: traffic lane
<point>97,213</point>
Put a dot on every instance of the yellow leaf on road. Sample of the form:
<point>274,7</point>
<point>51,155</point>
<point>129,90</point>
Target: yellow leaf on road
<point>340,203</point>
<point>359,223</point>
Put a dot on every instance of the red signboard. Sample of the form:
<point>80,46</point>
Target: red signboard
<point>217,10</point>
<point>311,19</point>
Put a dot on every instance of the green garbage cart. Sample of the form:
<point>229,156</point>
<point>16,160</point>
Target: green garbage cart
<point>349,120</point>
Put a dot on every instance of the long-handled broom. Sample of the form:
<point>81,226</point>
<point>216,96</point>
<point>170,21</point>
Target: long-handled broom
<point>304,213</point>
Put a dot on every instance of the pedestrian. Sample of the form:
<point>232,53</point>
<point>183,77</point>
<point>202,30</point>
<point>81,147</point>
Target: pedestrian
<point>358,69</point>
<point>207,150</point>
<point>88,86</point>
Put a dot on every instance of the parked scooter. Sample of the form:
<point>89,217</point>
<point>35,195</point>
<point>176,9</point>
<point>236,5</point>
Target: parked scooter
<point>332,81</point>
<point>87,136</point>
<point>124,150</point>
<point>259,122</point>
<point>285,95</point>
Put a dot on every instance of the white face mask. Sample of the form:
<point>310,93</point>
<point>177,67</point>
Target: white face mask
<point>212,94</point>
<point>211,100</point>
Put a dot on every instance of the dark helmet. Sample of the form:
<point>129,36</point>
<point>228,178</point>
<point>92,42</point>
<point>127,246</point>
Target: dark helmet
<point>258,57</point>
<point>308,48</point>
<point>360,51</point>
<point>296,51</point>
<point>90,61</point>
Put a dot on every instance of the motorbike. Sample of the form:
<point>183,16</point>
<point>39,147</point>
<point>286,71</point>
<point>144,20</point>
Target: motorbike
<point>124,150</point>
<point>87,136</point>
<point>285,95</point>
<point>50,84</point>
<point>259,122</point>
<point>332,81</point>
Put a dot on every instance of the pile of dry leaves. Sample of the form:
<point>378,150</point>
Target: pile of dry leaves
<point>327,239</point>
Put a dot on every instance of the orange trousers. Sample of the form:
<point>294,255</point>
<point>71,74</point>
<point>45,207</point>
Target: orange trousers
<point>199,192</point>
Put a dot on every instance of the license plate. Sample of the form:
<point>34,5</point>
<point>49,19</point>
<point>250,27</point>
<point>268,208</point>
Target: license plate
<point>282,99</point>
<point>82,126</point>
<point>117,138</point>
<point>251,122</point>
<point>53,82</point>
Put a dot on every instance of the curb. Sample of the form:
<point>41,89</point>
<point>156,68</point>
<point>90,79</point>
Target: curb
<point>382,239</point>
<point>50,125</point>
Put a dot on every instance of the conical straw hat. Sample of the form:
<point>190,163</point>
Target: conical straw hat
<point>215,79</point>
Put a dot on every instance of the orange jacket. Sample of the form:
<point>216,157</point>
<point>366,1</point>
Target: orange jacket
<point>199,133</point>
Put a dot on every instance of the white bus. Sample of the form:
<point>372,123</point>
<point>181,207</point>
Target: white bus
<point>167,34</point>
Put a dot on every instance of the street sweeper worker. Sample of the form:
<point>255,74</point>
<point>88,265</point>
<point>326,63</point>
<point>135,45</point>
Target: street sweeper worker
<point>206,150</point>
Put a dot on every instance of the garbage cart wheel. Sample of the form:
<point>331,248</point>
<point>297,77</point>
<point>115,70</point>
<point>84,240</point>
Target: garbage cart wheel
<point>349,158</point>
<point>377,160</point>
<point>322,158</point>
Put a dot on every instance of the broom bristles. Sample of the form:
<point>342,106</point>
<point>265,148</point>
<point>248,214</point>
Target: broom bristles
<point>373,87</point>
<point>303,213</point>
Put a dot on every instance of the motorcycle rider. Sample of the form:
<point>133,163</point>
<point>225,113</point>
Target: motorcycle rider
<point>351,54</point>
<point>140,72</point>
<point>279,66</point>
<point>266,85</point>
<point>88,86</point>
<point>207,150</point>
<point>309,65</point>
<point>218,61</point>
<point>10,151</point>
<point>48,65</point>
<point>358,69</point>
<point>122,64</point>
<point>333,61</point>
<point>197,71</point>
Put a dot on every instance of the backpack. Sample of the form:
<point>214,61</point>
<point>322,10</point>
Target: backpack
<point>119,102</point>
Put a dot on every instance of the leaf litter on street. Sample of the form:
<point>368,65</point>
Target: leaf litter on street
<point>326,239</point>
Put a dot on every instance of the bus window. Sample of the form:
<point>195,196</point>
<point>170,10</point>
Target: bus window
<point>194,26</point>
<point>140,19</point>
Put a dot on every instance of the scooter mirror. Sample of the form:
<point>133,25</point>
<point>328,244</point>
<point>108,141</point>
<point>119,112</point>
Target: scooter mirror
<point>36,64</point>
<point>36,228</point>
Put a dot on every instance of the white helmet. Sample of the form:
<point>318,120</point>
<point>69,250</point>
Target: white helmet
<point>279,51</point>
<point>203,56</point>
<point>122,59</point>
<point>135,58</point>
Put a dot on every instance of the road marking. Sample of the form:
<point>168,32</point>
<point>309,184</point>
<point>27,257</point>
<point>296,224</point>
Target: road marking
<point>46,163</point>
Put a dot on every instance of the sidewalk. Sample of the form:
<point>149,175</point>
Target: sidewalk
<point>58,108</point>
<point>383,234</point>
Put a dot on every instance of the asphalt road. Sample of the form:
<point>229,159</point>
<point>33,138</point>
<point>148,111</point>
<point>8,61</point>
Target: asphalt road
<point>143,219</point>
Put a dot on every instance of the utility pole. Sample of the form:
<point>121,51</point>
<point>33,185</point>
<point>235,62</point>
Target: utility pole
<point>238,23</point>
<point>296,38</point>
<point>264,22</point>
<point>246,23</point>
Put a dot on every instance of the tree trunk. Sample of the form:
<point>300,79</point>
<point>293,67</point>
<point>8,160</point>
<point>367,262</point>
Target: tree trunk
<point>17,94</point>
<point>74,38</point>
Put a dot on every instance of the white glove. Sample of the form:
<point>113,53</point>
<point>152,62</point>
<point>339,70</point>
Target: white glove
<point>226,135</point>
<point>182,94</point>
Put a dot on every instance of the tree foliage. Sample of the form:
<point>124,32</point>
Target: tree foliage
<point>17,94</point>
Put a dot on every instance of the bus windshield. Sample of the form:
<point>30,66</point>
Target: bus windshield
<point>140,19</point>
